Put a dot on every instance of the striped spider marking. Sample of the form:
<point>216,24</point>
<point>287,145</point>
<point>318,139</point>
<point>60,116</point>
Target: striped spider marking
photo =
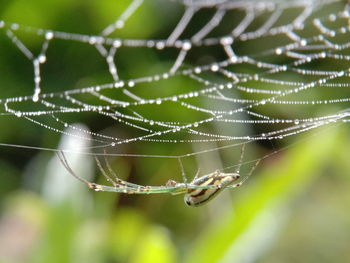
<point>199,191</point>
<point>214,183</point>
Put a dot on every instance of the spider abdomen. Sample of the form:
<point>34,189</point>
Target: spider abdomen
<point>216,182</point>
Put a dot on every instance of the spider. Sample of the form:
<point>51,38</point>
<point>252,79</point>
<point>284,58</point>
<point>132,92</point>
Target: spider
<point>199,191</point>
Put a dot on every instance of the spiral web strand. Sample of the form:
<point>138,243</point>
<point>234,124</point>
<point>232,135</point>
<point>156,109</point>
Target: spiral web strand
<point>276,58</point>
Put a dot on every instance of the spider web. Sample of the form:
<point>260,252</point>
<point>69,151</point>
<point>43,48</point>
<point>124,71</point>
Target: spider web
<point>227,73</point>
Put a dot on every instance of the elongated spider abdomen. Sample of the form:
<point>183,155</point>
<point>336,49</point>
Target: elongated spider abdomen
<point>217,182</point>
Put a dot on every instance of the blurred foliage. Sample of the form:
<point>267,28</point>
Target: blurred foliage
<point>290,212</point>
<point>293,209</point>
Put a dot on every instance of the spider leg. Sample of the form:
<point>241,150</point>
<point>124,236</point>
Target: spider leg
<point>64,162</point>
<point>129,188</point>
<point>240,159</point>
<point>245,178</point>
<point>109,179</point>
<point>182,171</point>
<point>197,174</point>
<point>117,180</point>
<point>253,168</point>
<point>120,188</point>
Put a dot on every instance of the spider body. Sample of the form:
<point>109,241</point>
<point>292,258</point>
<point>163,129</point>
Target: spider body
<point>199,191</point>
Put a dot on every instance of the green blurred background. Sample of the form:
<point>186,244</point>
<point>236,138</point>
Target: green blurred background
<point>293,209</point>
